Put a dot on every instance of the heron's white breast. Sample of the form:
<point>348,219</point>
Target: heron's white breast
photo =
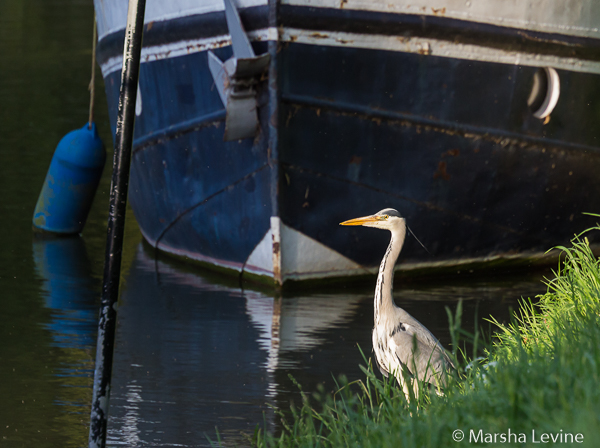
<point>385,351</point>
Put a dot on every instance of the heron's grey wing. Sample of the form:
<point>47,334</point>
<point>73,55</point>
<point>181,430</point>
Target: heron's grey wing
<point>424,358</point>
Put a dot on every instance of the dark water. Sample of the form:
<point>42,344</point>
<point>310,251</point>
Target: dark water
<point>47,308</point>
<point>198,351</point>
<point>194,352</point>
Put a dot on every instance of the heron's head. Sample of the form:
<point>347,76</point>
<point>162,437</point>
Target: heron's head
<point>388,219</point>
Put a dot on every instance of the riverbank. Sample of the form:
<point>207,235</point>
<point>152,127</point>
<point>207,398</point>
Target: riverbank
<point>538,383</point>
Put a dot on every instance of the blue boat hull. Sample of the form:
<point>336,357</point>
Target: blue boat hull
<point>346,131</point>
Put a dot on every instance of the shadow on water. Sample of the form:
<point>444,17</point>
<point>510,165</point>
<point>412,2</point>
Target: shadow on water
<point>195,351</point>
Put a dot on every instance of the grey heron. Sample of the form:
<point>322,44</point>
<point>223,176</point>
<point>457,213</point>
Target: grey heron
<point>400,342</point>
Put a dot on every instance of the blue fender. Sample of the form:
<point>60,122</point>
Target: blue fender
<point>71,182</point>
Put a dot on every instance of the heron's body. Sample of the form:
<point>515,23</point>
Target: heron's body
<point>400,342</point>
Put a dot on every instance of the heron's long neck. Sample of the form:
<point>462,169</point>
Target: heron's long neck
<point>384,303</point>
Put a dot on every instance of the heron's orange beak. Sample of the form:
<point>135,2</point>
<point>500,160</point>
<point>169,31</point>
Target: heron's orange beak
<point>361,221</point>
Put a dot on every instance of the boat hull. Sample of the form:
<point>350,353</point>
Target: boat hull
<point>351,124</point>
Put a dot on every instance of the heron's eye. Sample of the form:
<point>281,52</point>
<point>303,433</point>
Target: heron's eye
<point>385,216</point>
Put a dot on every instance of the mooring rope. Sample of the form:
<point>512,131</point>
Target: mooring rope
<point>92,85</point>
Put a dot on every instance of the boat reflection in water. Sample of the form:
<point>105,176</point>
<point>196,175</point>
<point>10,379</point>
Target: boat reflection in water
<point>196,352</point>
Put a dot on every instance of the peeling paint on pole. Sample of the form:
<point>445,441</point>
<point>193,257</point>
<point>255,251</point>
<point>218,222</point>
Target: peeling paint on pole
<point>116,220</point>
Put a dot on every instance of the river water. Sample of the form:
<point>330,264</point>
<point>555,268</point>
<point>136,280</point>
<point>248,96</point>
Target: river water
<point>194,351</point>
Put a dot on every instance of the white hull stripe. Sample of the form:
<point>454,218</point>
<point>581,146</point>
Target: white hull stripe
<point>182,48</point>
<point>554,16</point>
<point>436,47</point>
<point>417,45</point>
<point>301,257</point>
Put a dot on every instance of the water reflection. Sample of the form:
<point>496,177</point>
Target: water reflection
<point>70,291</point>
<point>296,324</point>
<point>192,353</point>
<point>58,365</point>
<point>196,352</point>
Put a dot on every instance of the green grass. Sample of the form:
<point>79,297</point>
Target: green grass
<point>542,374</point>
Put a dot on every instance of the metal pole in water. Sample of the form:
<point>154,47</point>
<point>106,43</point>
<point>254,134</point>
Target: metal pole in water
<point>116,220</point>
